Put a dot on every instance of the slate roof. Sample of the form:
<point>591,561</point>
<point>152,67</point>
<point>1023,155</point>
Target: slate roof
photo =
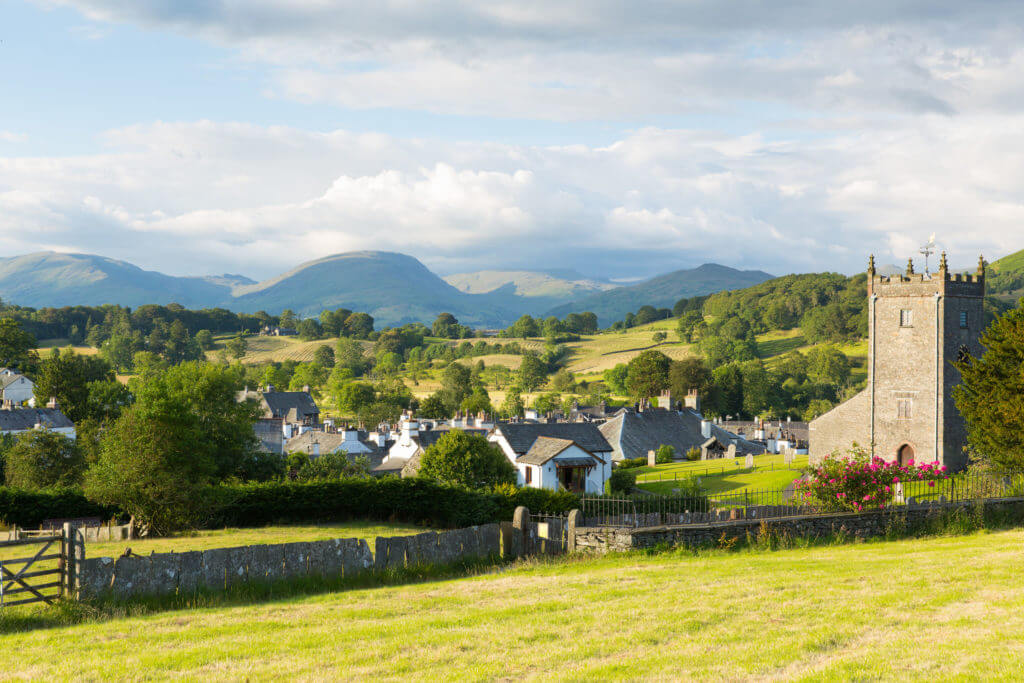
<point>545,448</point>
<point>633,433</point>
<point>23,419</point>
<point>521,435</point>
<point>293,405</point>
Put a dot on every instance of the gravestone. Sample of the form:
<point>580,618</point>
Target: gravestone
<point>749,463</point>
<point>652,458</point>
<point>730,452</point>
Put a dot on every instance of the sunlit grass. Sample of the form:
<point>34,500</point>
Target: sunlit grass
<point>906,610</point>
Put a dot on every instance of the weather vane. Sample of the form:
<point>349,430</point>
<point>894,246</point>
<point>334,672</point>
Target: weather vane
<point>927,250</point>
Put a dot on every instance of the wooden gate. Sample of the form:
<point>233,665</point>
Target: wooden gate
<point>30,568</point>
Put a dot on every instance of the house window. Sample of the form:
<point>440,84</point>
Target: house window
<point>906,318</point>
<point>529,474</point>
<point>903,408</point>
<point>963,320</point>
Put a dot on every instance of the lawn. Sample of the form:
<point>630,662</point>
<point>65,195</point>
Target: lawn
<point>907,610</point>
<point>725,476</point>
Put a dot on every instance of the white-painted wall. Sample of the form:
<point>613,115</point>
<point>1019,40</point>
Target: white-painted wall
<point>18,391</point>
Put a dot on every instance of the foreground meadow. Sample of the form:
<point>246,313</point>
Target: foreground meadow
<point>943,607</point>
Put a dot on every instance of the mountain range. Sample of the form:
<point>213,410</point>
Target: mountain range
<point>394,288</point>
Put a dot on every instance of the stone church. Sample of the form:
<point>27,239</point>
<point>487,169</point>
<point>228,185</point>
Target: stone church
<point>918,325</point>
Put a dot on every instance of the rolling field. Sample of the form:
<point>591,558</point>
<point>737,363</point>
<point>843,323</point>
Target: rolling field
<point>724,476</point>
<point>900,610</point>
<point>46,344</point>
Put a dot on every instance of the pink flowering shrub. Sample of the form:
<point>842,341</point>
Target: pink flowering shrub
<point>857,481</point>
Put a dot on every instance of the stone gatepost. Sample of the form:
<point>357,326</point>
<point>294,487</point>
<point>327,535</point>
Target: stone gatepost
<point>652,458</point>
<point>575,516</point>
<point>521,532</point>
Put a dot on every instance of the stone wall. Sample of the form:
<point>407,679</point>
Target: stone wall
<point>862,525</point>
<point>838,429</point>
<point>220,568</point>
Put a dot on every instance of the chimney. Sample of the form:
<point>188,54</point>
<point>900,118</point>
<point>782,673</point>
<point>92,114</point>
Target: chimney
<point>305,388</point>
<point>692,401</point>
<point>52,403</point>
<point>270,388</point>
<point>665,400</point>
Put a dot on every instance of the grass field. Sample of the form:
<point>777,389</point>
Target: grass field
<point>903,610</point>
<point>46,344</point>
<point>724,476</point>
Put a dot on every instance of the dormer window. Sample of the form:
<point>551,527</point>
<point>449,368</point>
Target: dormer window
<point>906,318</point>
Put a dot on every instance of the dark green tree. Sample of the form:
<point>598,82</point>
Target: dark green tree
<point>41,458</point>
<point>17,347</point>
<point>468,460</point>
<point>67,376</point>
<point>647,374</point>
<point>532,373</point>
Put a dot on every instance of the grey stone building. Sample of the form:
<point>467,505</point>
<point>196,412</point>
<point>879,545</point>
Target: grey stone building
<point>918,324</point>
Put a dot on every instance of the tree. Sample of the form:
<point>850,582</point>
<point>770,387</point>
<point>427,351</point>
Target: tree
<point>312,375</point>
<point>828,365</point>
<point>309,329</point>
<point>349,354</point>
<point>66,376</point>
<point>659,336</point>
<point>358,326</point>
<point>689,374</point>
<point>456,384</point>
<point>526,326</point>
<point>324,355</point>
<point>205,339</point>
<point>687,325</point>
<point>615,379</point>
<point>434,407</point>
<point>468,460</point>
<point>208,393</point>
<point>330,467</point>
<point>989,396</point>
<point>563,381</point>
<point>41,458</point>
<point>446,326</point>
<point>288,319</point>
<point>237,346</point>
<point>153,465</point>
<point>726,396</point>
<point>17,347</point>
<point>647,374</point>
<point>354,396</point>
<point>512,406</point>
<point>477,402</point>
<point>665,454</point>
<point>532,373</point>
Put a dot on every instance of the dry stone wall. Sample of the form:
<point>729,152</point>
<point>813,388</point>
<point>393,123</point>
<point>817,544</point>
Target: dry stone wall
<point>220,568</point>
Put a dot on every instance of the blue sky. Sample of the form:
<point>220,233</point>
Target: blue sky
<point>621,139</point>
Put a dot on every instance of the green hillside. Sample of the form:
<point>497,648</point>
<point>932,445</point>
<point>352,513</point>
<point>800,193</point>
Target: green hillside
<point>1006,276</point>
<point>662,291</point>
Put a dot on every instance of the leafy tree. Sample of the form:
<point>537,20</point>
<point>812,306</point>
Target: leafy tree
<point>477,402</point>
<point>456,384</point>
<point>288,319</point>
<point>758,389</point>
<point>659,337</point>
<point>309,329</point>
<point>828,365</point>
<point>647,374</point>
<point>354,396</point>
<point>237,346</point>
<point>119,350</point>
<point>358,326</point>
<point>324,355</point>
<point>615,379</point>
<point>310,374</point>
<point>563,381</point>
<point>989,396</point>
<point>205,339</point>
<point>726,396</point>
<point>66,376</point>
<point>468,460</point>
<point>349,354</point>
<point>512,406</point>
<point>526,326</point>
<point>17,347</point>
<point>41,458</point>
<point>155,465</point>
<point>532,373</point>
<point>434,407</point>
<point>688,324</point>
<point>446,326</point>
<point>105,400</point>
<point>689,374</point>
<point>547,403</point>
<point>665,454</point>
<point>208,393</point>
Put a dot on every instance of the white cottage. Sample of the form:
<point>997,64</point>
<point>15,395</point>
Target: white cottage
<point>556,455</point>
<point>15,388</point>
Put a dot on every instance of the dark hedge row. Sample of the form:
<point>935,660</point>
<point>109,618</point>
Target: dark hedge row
<point>414,500</point>
<point>28,509</point>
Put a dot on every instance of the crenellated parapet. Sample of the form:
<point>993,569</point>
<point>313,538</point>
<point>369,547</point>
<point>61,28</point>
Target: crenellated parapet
<point>941,282</point>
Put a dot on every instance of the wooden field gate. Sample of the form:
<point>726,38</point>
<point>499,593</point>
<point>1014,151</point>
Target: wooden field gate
<point>44,572</point>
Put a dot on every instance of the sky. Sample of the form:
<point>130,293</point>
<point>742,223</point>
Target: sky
<point>621,139</point>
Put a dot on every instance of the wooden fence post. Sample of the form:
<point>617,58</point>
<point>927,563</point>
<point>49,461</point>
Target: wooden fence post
<point>67,559</point>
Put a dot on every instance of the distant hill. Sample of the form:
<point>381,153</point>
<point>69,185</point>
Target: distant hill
<point>52,279</point>
<point>547,288</point>
<point>1006,276</point>
<point>662,291</point>
<point>393,288</point>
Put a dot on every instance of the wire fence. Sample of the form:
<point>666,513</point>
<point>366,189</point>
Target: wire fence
<point>689,508</point>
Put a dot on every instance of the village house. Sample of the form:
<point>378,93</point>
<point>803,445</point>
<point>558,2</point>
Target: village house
<point>20,420</point>
<point>635,431</point>
<point>414,437</point>
<point>16,388</point>
<point>573,456</point>
<point>289,413</point>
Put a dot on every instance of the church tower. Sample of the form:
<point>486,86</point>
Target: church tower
<point>918,324</point>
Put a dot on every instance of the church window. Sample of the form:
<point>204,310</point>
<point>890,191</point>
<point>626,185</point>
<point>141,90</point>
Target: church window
<point>963,320</point>
<point>903,408</point>
<point>906,318</point>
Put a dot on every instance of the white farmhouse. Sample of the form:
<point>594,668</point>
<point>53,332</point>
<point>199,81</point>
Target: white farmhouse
<point>15,388</point>
<point>573,456</point>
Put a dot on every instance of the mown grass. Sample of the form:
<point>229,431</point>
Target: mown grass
<point>907,610</point>
<point>725,476</point>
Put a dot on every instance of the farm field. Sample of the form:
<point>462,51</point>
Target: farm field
<point>45,345</point>
<point>906,610</point>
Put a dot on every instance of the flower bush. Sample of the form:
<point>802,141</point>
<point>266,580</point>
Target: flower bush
<point>856,481</point>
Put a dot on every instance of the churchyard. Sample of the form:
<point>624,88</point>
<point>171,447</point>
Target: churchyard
<point>731,476</point>
<point>908,610</point>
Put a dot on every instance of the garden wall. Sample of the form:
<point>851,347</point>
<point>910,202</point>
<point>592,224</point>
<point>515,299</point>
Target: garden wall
<point>856,524</point>
<point>218,569</point>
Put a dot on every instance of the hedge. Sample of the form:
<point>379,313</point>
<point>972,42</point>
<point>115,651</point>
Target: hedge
<point>28,509</point>
<point>412,500</point>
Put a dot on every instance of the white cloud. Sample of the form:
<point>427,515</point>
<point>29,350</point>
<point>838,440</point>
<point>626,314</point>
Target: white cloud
<point>205,197</point>
<point>10,136</point>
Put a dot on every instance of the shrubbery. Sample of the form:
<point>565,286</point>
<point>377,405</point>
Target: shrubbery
<point>665,454</point>
<point>693,454</point>
<point>857,481</point>
<point>629,463</point>
<point>28,509</point>
<point>620,481</point>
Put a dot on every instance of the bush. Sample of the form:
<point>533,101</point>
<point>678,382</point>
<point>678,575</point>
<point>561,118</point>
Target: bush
<point>28,509</point>
<point>629,463</point>
<point>620,481</point>
<point>693,454</point>
<point>41,459</point>
<point>665,454</point>
<point>856,481</point>
<point>467,459</point>
<point>413,500</point>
